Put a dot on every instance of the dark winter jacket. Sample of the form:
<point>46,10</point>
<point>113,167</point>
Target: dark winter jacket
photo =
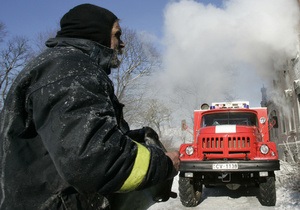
<point>63,139</point>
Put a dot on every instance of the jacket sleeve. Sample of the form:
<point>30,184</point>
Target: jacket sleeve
<point>76,119</point>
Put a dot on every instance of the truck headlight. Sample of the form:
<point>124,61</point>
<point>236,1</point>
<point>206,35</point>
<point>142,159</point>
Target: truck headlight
<point>264,149</point>
<point>189,150</point>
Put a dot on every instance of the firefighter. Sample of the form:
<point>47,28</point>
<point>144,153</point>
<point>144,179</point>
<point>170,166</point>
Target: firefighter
<point>64,143</point>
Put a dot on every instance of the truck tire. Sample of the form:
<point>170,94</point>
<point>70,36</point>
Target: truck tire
<point>267,192</point>
<point>189,192</point>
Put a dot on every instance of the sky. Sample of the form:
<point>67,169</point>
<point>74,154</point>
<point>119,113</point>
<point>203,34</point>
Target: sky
<point>32,16</point>
<point>213,49</point>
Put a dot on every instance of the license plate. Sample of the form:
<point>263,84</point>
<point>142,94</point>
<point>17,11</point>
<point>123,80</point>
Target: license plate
<point>222,166</point>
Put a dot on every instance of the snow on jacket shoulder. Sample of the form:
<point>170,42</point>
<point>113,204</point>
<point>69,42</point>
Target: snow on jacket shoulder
<point>63,141</point>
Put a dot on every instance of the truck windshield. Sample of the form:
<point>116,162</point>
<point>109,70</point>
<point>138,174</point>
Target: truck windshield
<point>229,118</point>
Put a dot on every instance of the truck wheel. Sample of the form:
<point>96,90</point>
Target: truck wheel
<point>189,192</point>
<point>267,192</point>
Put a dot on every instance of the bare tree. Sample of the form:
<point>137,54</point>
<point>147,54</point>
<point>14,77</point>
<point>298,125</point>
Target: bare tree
<point>139,59</point>
<point>230,91</point>
<point>12,59</point>
<point>2,31</point>
<point>42,37</point>
<point>155,114</point>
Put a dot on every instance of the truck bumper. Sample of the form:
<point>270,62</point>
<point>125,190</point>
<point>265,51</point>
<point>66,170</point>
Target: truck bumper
<point>245,166</point>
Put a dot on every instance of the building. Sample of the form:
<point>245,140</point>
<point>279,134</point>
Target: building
<point>285,107</point>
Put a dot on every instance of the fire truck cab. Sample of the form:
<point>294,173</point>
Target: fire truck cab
<point>231,146</point>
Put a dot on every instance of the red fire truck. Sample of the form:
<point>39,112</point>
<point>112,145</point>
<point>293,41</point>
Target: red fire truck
<point>231,147</point>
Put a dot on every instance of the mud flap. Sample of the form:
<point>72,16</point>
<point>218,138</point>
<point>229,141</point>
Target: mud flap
<point>143,199</point>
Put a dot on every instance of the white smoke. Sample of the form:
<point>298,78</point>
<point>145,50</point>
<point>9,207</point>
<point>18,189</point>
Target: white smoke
<point>227,52</point>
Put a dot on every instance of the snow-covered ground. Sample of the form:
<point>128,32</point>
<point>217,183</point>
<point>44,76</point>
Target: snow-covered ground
<point>241,199</point>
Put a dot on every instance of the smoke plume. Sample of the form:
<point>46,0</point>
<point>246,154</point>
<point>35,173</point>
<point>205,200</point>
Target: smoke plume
<point>227,52</point>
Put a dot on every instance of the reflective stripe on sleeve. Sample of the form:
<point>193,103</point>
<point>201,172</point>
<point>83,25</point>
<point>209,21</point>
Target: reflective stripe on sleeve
<point>139,169</point>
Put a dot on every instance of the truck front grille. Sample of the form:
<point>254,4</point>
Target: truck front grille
<point>226,147</point>
<point>238,142</point>
<point>231,142</point>
<point>215,143</point>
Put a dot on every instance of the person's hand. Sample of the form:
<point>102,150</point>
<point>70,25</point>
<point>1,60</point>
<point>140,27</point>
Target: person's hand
<point>174,156</point>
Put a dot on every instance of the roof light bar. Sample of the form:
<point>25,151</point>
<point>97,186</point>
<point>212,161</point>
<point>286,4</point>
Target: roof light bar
<point>235,104</point>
